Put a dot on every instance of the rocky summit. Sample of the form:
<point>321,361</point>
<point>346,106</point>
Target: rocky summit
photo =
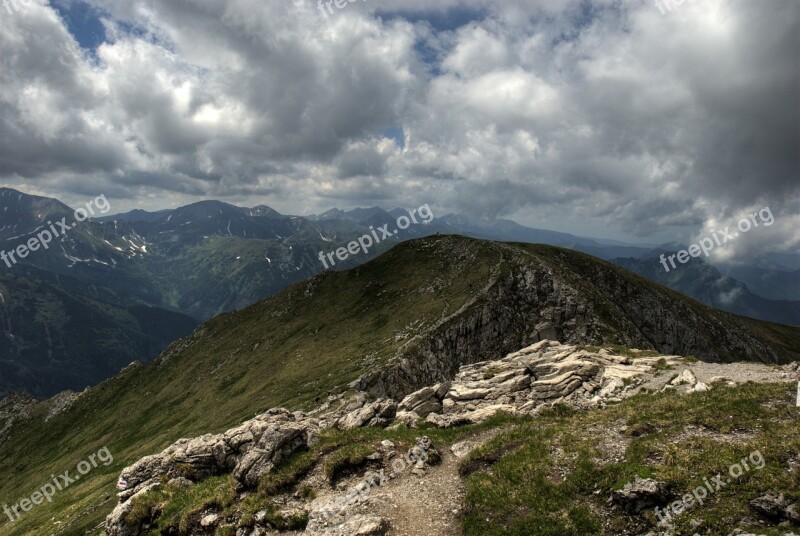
<point>342,496</point>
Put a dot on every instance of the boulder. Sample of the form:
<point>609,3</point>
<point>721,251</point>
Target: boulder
<point>379,413</point>
<point>776,508</point>
<point>699,387</point>
<point>686,377</point>
<point>641,494</point>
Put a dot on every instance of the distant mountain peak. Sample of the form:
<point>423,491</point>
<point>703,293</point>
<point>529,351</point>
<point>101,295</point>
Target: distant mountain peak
<point>264,211</point>
<point>332,214</point>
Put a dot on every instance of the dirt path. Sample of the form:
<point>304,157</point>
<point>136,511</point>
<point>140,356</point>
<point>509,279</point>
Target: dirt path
<point>428,505</point>
<point>737,372</point>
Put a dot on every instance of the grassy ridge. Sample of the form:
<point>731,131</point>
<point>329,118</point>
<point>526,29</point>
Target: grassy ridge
<point>289,350</point>
<point>285,351</point>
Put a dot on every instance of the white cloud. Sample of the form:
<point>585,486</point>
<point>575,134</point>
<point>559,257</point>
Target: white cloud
<point>610,119</point>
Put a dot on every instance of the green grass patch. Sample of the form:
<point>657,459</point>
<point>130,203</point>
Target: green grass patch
<point>548,476</point>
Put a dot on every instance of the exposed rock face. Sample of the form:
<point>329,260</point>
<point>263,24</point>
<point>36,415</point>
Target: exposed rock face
<point>248,452</point>
<point>532,301</point>
<point>499,326</point>
<point>14,408</point>
<point>525,381</point>
<point>61,403</point>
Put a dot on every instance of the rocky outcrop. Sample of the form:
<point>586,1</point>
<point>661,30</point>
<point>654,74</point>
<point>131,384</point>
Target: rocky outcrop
<point>425,401</point>
<point>247,452</point>
<point>379,414</point>
<point>116,522</point>
<point>776,508</point>
<point>17,407</point>
<point>641,494</point>
<point>60,403</point>
<point>13,409</point>
<point>524,382</point>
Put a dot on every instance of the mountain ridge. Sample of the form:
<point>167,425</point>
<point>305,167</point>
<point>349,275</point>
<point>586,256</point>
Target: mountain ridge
<point>406,319</point>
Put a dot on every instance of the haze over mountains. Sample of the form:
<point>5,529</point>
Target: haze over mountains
<point>211,257</point>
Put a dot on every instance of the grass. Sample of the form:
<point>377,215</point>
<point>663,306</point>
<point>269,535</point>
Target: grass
<point>176,510</point>
<point>311,340</point>
<point>520,491</point>
<point>552,475</point>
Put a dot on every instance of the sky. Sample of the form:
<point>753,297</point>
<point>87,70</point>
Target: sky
<point>614,119</point>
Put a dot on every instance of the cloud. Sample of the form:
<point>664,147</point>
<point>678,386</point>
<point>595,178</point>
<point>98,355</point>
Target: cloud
<point>604,118</point>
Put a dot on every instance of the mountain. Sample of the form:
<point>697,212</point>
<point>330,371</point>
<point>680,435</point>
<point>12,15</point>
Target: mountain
<point>136,215</point>
<point>402,321</point>
<point>54,339</point>
<point>202,259</point>
<point>211,257</point>
<point>771,283</point>
<point>22,213</point>
<point>507,230</point>
<point>364,214</point>
<point>706,283</point>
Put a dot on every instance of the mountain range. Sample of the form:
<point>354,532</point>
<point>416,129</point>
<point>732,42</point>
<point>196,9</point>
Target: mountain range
<point>210,257</point>
<point>400,322</point>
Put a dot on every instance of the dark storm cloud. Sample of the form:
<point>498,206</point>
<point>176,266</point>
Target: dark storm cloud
<point>605,115</point>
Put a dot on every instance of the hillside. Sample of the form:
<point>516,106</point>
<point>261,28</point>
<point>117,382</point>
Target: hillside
<point>55,339</point>
<point>400,322</point>
<point>706,283</point>
<point>210,257</point>
<point>550,440</point>
<point>201,260</point>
